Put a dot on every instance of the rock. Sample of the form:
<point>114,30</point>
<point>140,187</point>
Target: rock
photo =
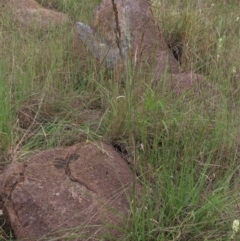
<point>30,14</point>
<point>127,29</point>
<point>180,83</point>
<point>81,191</point>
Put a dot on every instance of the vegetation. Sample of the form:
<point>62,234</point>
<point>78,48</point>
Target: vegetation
<point>184,150</point>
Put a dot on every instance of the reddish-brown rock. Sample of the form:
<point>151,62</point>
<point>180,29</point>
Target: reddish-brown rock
<point>30,14</point>
<point>80,191</point>
<point>183,82</point>
<point>125,29</point>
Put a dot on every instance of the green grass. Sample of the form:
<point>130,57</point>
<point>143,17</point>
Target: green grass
<point>5,107</point>
<point>184,150</point>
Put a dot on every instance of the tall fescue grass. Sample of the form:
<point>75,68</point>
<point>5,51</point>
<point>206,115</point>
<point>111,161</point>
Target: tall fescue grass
<point>184,150</point>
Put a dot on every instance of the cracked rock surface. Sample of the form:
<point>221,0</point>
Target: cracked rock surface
<point>124,30</point>
<point>131,27</point>
<point>77,191</point>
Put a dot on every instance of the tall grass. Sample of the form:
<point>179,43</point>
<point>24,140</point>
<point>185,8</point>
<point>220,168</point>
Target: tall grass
<point>185,150</point>
<point>5,110</point>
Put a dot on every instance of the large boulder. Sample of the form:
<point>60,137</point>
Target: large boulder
<point>126,29</point>
<point>80,191</point>
<point>30,14</point>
